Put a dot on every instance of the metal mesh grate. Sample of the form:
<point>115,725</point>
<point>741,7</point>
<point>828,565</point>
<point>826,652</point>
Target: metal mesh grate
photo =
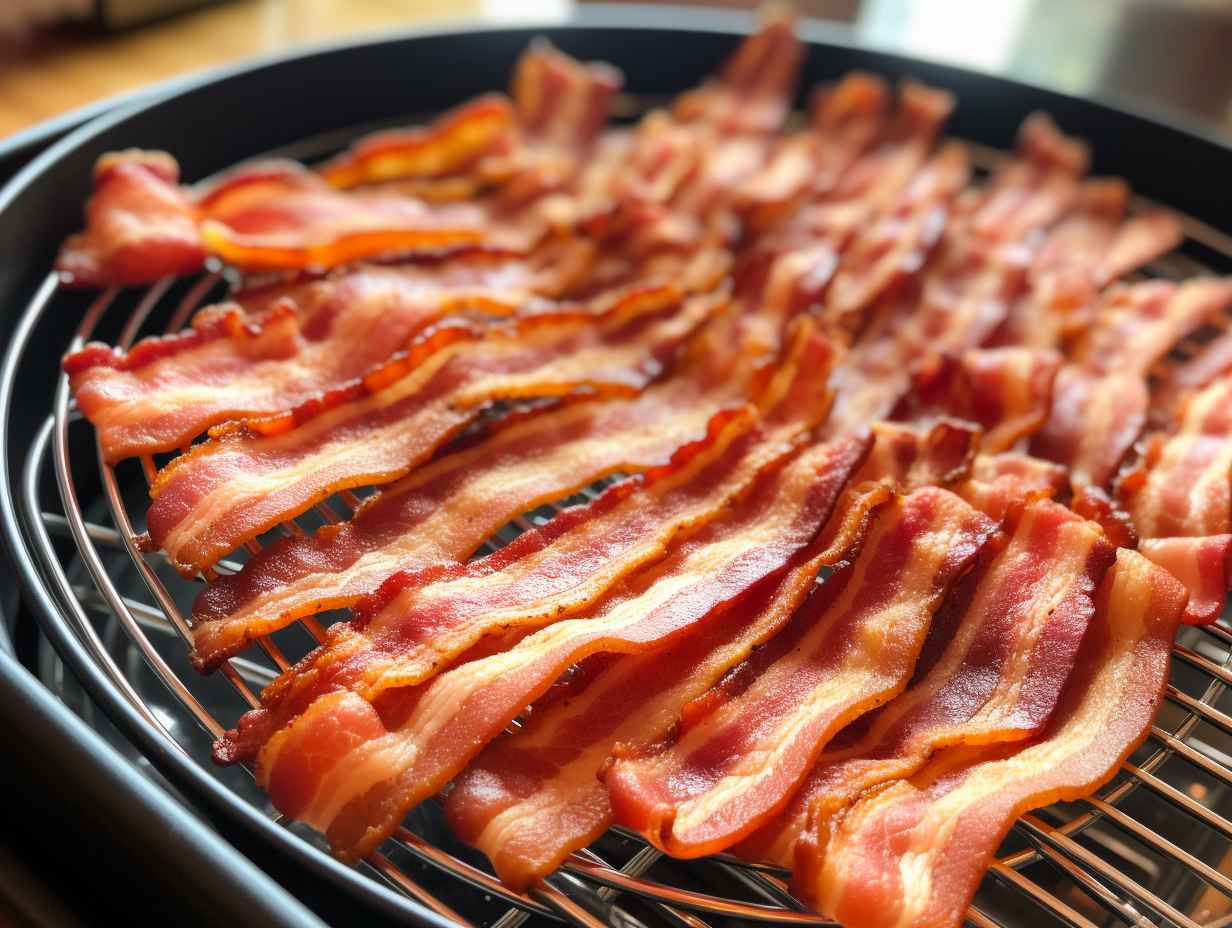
<point>1154,847</point>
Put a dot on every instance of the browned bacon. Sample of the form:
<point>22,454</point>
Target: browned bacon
<point>1005,391</point>
<point>419,621</point>
<point>252,475</point>
<point>444,511</point>
<point>236,361</point>
<point>992,670</point>
<point>947,820</point>
<point>1179,497</point>
<point>429,733</point>
<point>752,91</point>
<point>1092,246</point>
<point>450,146</point>
<point>532,797</point>
<point>849,648</point>
<point>140,225</point>
<point>1100,400</point>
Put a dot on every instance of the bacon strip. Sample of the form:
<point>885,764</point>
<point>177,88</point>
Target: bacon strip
<point>977,273</point>
<point>534,796</point>
<point>140,225</point>
<point>419,621</point>
<point>430,733</point>
<point>850,648</point>
<point>1006,391</point>
<point>913,853</point>
<point>1203,565</point>
<point>999,482</point>
<point>1035,189</point>
<point>235,362</point>
<point>442,512</point>
<point>561,100</point>
<point>907,457</point>
<point>254,475</point>
<point>994,666</point>
<point>1181,379</point>
<point>278,215</point>
<point>752,91</point>
<point>450,145</point>
<point>1100,401</point>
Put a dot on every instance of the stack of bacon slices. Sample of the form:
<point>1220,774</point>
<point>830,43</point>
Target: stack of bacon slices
<point>823,346</point>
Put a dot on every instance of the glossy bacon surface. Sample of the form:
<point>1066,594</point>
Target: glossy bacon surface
<point>236,362</point>
<point>992,670</point>
<point>752,91</point>
<point>907,457</point>
<point>998,482</point>
<point>432,731</point>
<point>947,820</point>
<point>1092,246</point>
<point>532,797</point>
<point>850,647</point>
<point>1006,391</point>
<point>1100,399</point>
<point>418,521</point>
<point>253,475</point>
<point>278,215</point>
<point>140,226</point>
<point>453,143</point>
<point>1183,484</point>
<point>418,622</point>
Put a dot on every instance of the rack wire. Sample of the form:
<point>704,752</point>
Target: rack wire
<point>1153,847</point>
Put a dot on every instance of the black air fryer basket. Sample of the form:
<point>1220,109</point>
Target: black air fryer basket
<point>1155,847</point>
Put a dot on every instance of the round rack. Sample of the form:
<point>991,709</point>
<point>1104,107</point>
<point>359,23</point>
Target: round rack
<point>1153,847</point>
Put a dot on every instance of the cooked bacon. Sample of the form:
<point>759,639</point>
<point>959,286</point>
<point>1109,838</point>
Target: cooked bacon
<point>444,511</point>
<point>418,521</point>
<point>1183,378</point>
<point>1140,323</point>
<point>992,670</point>
<point>431,732</point>
<point>895,245</point>
<point>418,622</point>
<point>955,305</point>
<point>1094,504</point>
<point>913,853</point>
<point>278,215</point>
<point>561,100</point>
<point>235,362</point>
<point>1035,189</point>
<point>1006,391</point>
<point>254,474</point>
<point>1203,565</point>
<point>849,648</point>
<point>1094,421</point>
<point>140,226</point>
<point>998,482</point>
<point>533,796</point>
<point>907,457</point>
<point>1089,248</point>
<point>1182,485</point>
<point>1100,400</point>
<point>452,144</point>
<point>845,120</point>
<point>753,90</point>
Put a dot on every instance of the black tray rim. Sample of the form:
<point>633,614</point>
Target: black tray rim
<point>184,773</point>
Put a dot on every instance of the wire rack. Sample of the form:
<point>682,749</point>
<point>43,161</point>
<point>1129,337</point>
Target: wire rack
<point>1153,847</point>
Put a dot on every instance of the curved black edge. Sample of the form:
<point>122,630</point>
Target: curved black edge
<point>202,876</point>
<point>259,106</point>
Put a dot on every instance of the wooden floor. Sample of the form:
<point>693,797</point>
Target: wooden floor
<point>59,72</point>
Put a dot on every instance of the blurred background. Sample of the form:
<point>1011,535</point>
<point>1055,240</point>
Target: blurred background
<point>1169,57</point>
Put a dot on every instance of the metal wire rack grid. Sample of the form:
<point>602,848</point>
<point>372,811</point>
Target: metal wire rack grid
<point>588,890</point>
